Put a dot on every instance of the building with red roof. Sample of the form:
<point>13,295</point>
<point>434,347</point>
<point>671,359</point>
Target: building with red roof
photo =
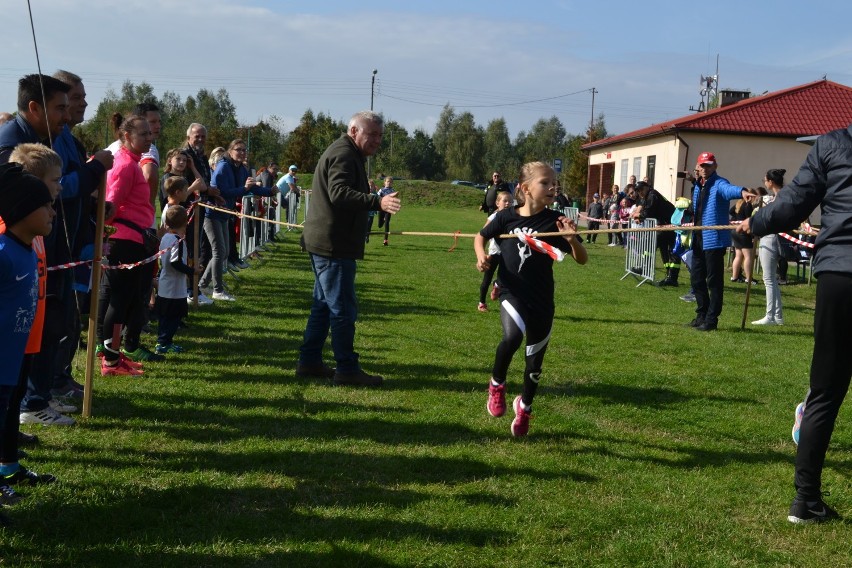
<point>748,136</point>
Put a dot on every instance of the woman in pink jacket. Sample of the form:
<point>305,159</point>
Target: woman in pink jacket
<point>122,290</point>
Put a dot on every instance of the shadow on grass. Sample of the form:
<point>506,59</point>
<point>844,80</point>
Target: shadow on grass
<point>646,397</point>
<point>209,526</point>
<point>685,456</point>
<point>224,421</point>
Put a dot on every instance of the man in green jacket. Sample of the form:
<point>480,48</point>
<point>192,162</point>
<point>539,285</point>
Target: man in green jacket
<point>334,238</point>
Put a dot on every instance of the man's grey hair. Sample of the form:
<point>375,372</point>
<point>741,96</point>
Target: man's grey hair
<point>193,126</point>
<point>366,116</point>
<point>68,77</point>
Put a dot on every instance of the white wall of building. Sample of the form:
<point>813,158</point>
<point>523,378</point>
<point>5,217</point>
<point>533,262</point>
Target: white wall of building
<point>743,160</point>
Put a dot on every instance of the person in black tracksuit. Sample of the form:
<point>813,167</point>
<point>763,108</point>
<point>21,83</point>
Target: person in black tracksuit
<point>824,180</point>
<point>526,284</point>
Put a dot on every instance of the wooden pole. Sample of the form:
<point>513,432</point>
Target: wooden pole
<point>196,248</point>
<point>91,335</point>
<point>748,286</point>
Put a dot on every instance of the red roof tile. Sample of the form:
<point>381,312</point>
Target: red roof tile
<point>807,110</point>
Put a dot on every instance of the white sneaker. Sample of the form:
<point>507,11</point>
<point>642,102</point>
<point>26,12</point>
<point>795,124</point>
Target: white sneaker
<point>764,321</point>
<point>58,406</point>
<point>779,321</point>
<point>48,417</point>
<point>224,296</point>
<point>202,300</point>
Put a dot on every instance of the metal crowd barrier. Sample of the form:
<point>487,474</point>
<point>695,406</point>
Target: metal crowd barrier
<point>641,248</point>
<point>306,199</point>
<point>572,213</point>
<point>255,234</point>
<point>293,202</point>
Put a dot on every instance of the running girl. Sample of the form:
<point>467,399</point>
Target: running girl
<point>526,283</point>
<point>504,200</point>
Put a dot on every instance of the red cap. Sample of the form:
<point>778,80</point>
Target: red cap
<point>706,158</point>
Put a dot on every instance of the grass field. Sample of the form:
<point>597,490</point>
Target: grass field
<point>651,445</point>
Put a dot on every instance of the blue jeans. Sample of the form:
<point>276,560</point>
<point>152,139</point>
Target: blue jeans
<point>335,309</point>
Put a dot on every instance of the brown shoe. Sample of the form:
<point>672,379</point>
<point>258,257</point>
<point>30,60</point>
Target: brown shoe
<point>360,379</point>
<point>316,371</point>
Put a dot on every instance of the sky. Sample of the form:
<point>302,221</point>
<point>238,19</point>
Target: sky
<point>520,61</point>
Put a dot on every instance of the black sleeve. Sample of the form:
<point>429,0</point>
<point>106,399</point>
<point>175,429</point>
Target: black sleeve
<point>178,265</point>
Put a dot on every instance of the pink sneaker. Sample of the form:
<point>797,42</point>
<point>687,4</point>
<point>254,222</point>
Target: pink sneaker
<point>482,307</point>
<point>521,423</point>
<point>121,357</point>
<point>496,404</point>
<point>121,368</point>
<point>129,362</point>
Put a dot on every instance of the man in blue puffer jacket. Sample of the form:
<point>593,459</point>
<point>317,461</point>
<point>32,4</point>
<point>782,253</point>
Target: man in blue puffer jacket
<point>711,195</point>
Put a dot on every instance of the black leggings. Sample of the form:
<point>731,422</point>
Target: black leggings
<point>11,423</point>
<point>831,369</point>
<point>122,299</point>
<point>487,277</point>
<point>384,221</point>
<point>518,318</point>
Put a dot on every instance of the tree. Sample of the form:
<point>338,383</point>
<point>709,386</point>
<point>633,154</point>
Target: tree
<point>217,113</point>
<point>265,142</point>
<point>545,141</point>
<point>214,110</point>
<point>309,140</point>
<point>424,161</point>
<point>326,130</point>
<point>442,129</point>
<point>500,156</point>
<point>465,149</point>
<point>576,168</point>
<point>392,157</point>
<point>577,162</point>
<point>299,149</point>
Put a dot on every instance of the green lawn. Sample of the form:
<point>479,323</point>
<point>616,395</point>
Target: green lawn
<point>651,445</point>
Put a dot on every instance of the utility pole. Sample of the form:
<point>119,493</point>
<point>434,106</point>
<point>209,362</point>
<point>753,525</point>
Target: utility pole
<point>372,96</point>
<point>592,122</point>
<point>373,88</point>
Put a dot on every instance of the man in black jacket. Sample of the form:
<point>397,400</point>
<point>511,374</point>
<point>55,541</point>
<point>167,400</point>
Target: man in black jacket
<point>489,203</point>
<point>824,180</point>
<point>651,203</point>
<point>334,238</point>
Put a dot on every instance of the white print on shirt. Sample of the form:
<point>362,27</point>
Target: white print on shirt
<point>523,248</point>
<point>24,317</point>
<point>23,320</point>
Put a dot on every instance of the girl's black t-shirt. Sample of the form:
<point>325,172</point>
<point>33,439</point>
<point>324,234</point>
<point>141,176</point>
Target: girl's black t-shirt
<point>524,271</point>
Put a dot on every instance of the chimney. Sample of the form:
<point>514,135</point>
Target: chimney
<point>729,97</point>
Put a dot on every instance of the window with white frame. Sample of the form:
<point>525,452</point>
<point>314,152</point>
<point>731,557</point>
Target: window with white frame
<point>637,168</point>
<point>624,164</point>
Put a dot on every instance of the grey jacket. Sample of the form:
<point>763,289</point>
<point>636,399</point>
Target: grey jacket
<point>340,202</point>
<point>824,180</point>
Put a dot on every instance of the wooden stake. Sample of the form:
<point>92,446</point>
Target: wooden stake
<point>91,335</point>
